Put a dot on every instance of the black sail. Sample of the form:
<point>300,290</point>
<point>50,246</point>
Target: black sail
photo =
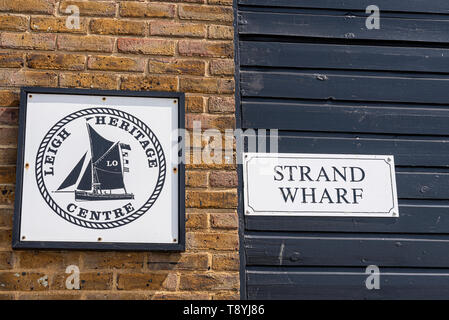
<point>109,169</point>
<point>86,180</point>
<point>99,145</point>
<point>73,176</point>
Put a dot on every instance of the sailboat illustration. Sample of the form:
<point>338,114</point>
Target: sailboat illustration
<point>103,173</point>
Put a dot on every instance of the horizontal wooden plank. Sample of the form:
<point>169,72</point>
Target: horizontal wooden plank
<point>282,249</point>
<point>412,219</point>
<point>344,118</point>
<point>422,185</point>
<point>407,152</point>
<point>335,56</point>
<point>338,86</point>
<point>433,6</point>
<point>337,284</point>
<point>342,27</point>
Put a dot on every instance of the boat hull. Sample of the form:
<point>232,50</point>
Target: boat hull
<point>88,196</point>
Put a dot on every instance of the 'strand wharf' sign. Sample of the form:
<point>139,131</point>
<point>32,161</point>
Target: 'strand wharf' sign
<point>320,185</point>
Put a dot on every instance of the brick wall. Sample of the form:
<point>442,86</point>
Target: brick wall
<point>132,45</point>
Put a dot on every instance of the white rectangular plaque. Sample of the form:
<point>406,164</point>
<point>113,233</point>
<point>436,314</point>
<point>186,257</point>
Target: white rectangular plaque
<point>290,184</point>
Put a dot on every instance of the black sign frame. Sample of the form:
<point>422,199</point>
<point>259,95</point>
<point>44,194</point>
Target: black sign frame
<point>101,246</point>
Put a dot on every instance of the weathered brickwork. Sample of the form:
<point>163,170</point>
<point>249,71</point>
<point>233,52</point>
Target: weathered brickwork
<point>177,45</point>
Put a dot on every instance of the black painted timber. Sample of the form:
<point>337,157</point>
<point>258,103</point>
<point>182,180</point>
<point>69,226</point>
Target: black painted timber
<point>419,6</point>
<point>312,70</point>
<point>342,26</point>
<point>338,56</point>
<point>344,283</point>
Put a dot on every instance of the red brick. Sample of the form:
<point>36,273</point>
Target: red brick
<point>207,85</point>
<point>146,46</point>
<point>174,29</point>
<point>9,98</point>
<point>5,236</point>
<point>61,295</point>
<point>11,60</point>
<point>7,296</point>
<point>221,105</point>
<point>223,179</point>
<point>220,32</point>
<point>58,61</point>
<point>194,104</point>
<point>226,295</point>
<point>6,261</point>
<point>28,78</point>
<point>148,10</point>
<point>226,261</point>
<point>220,2</point>
<point>177,66</point>
<point>113,260</point>
<point>206,48</point>
<point>144,281</point>
<point>88,80</point>
<point>149,83</point>
<point>209,121</point>
<point>9,116</point>
<point>85,43</point>
<point>6,218</point>
<point>21,281</point>
<point>8,155</point>
<point>46,259</point>
<point>89,8</point>
<point>112,63</point>
<point>212,241</point>
<point>28,41</point>
<point>88,281</point>
<point>7,194</point>
<point>196,220</point>
<point>180,296</point>
<point>117,295</point>
<point>13,23</point>
<point>177,261</point>
<point>196,179</point>
<point>56,24</point>
<point>184,1</point>
<point>222,67</point>
<point>224,220</point>
<point>117,27</point>
<point>7,174</point>
<point>29,6</point>
<point>209,281</point>
<point>208,13</point>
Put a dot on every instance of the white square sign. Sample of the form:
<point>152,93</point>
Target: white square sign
<point>99,170</point>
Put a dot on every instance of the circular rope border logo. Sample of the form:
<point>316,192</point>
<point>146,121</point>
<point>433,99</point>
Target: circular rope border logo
<point>100,225</point>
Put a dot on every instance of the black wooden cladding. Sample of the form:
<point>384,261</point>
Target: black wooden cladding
<point>280,249</point>
<point>341,283</point>
<point>419,6</point>
<point>314,71</point>
<point>347,117</point>
<point>333,85</point>
<point>342,26</point>
<point>414,218</point>
<point>339,56</point>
